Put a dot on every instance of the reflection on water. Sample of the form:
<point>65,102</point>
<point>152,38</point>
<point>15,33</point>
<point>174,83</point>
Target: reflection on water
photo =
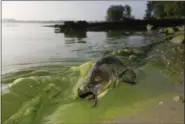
<point>75,36</point>
<point>136,40</point>
<point>117,34</point>
<point>72,36</point>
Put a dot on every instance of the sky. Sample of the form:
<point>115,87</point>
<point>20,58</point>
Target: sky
<point>66,10</point>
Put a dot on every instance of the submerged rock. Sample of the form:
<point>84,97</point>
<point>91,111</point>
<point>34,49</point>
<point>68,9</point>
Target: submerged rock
<point>127,51</point>
<point>162,30</point>
<point>170,30</point>
<point>181,28</point>
<point>107,52</point>
<point>178,39</point>
<point>129,76</point>
<point>122,52</point>
<point>178,99</point>
<point>138,51</point>
<point>132,57</point>
<point>160,103</point>
<point>139,33</point>
<point>149,27</point>
<point>168,37</point>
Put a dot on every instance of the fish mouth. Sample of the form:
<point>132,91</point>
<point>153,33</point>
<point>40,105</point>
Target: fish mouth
<point>85,94</point>
<point>90,95</point>
<point>88,91</point>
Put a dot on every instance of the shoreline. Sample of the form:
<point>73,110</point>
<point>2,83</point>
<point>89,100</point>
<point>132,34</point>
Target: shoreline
<point>119,25</point>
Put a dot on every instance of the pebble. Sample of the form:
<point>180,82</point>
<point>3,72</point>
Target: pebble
<point>138,51</point>
<point>160,103</point>
<point>128,50</point>
<point>132,57</point>
<point>178,99</point>
<point>157,50</point>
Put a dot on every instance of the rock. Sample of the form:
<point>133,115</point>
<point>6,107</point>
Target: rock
<point>178,99</point>
<point>157,50</point>
<point>160,103</point>
<point>128,50</point>
<point>161,30</point>
<point>125,52</point>
<point>129,75</point>
<point>168,37</point>
<point>181,28</point>
<point>170,30</point>
<point>138,51</point>
<point>149,27</point>
<point>119,52</point>
<point>114,52</point>
<point>139,33</point>
<point>179,33</point>
<point>127,33</point>
<point>178,39</point>
<point>107,52</point>
<point>132,57</point>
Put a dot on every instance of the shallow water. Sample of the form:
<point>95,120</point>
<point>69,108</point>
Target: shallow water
<point>36,67</point>
<point>27,45</point>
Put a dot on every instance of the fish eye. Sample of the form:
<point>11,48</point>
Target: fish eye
<point>97,78</point>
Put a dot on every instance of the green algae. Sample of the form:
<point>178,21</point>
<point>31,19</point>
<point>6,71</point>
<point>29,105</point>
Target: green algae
<point>54,100</point>
<point>118,101</point>
<point>42,96</point>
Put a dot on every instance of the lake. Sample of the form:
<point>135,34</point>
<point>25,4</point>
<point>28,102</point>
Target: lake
<point>30,44</point>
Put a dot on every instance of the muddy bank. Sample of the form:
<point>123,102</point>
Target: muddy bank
<point>165,110</point>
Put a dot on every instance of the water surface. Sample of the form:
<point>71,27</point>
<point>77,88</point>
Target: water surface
<point>26,45</point>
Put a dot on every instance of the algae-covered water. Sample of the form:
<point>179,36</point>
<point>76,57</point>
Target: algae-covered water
<point>42,69</point>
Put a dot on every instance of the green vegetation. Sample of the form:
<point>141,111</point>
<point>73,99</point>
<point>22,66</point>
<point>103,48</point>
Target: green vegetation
<point>165,9</point>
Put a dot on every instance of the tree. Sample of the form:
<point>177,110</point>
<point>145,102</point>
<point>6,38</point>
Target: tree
<point>165,9</point>
<point>159,10</point>
<point>128,11</point>
<point>114,13</point>
<point>149,11</point>
<point>118,13</point>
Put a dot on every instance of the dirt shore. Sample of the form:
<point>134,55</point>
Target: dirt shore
<point>167,111</point>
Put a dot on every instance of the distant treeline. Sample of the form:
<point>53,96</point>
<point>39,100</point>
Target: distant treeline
<point>155,10</point>
<point>165,10</point>
<point>30,21</point>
